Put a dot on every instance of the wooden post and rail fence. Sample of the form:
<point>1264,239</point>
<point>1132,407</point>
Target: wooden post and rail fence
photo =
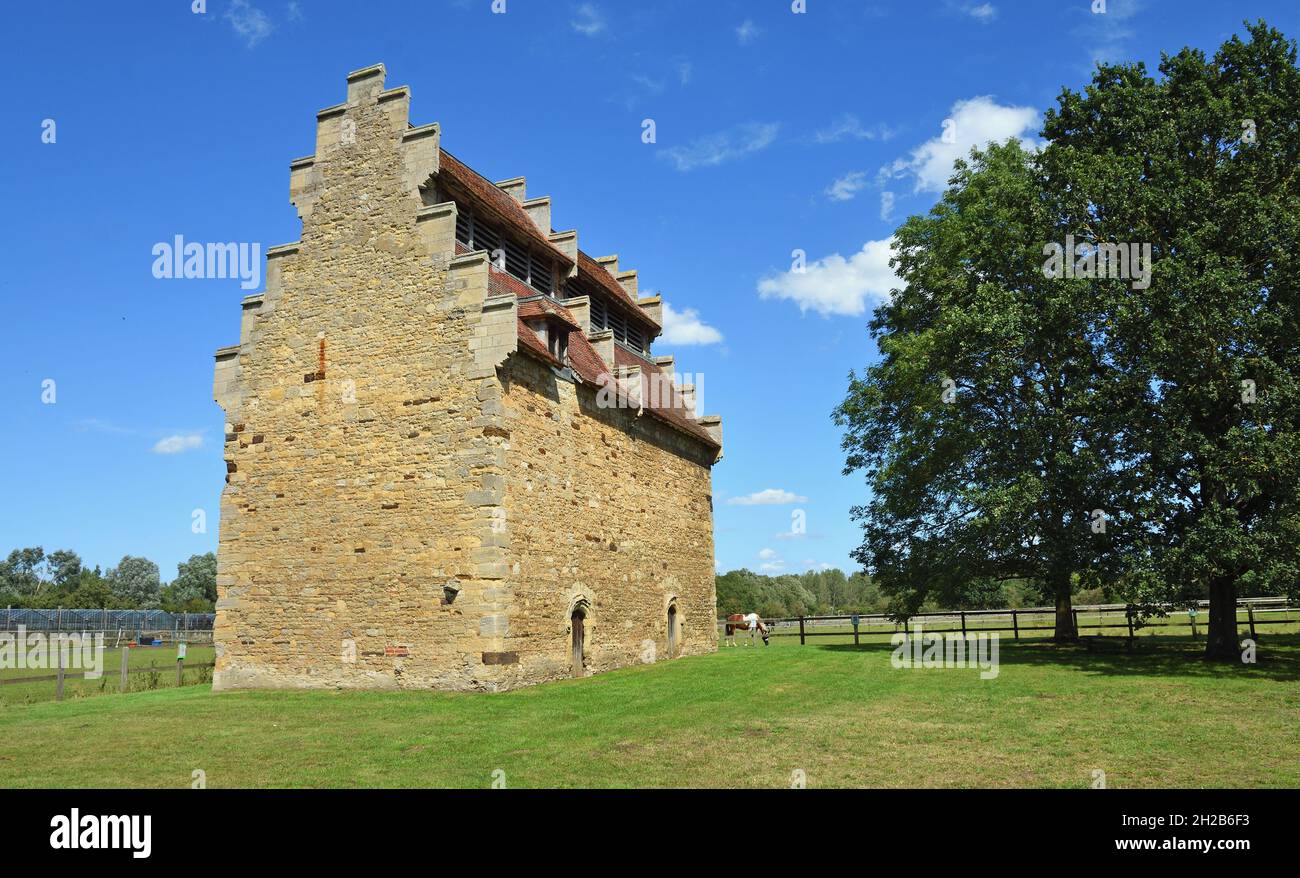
<point>61,675</point>
<point>1254,608</point>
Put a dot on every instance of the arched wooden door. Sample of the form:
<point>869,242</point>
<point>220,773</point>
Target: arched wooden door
<point>579,636</point>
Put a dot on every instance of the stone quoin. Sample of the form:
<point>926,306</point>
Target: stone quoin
<point>422,488</point>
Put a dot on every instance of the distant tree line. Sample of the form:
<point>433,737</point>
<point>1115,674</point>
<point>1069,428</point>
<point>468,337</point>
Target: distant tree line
<point>831,592</point>
<point>817,592</point>
<point>31,579</point>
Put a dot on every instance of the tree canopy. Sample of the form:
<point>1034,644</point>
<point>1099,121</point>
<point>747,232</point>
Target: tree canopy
<point>30,578</point>
<point>1122,413</point>
<point>985,429</point>
<point>811,593</point>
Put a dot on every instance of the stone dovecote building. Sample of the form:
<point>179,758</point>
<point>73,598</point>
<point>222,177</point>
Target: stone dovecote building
<point>453,461</point>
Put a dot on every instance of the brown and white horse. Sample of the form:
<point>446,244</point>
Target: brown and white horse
<point>751,623</point>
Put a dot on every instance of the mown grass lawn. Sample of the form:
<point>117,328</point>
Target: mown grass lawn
<point>742,717</point>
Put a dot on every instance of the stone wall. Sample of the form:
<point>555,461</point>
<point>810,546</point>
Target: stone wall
<point>352,443</point>
<point>608,508</point>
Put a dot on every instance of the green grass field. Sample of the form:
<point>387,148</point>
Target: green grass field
<point>1157,717</point>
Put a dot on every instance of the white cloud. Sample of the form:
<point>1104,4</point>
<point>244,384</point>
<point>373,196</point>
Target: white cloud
<point>655,81</point>
<point>99,425</point>
<point>971,123</point>
<point>981,12</point>
<point>769,497</point>
<point>1107,34</point>
<point>649,83</point>
<point>587,20</point>
<point>846,188</point>
<point>886,205</point>
<point>772,567</point>
<point>836,285</point>
<point>249,22</point>
<point>767,554</point>
<point>747,32</point>
<point>714,149</point>
<point>178,443</point>
<point>849,127</point>
<point>685,327</point>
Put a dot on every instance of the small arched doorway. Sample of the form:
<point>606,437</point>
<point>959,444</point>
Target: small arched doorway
<point>672,630</point>
<point>578,626</point>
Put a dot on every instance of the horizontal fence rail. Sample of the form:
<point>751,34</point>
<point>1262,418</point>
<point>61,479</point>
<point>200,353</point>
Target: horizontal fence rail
<point>63,673</point>
<point>1258,612</point>
<point>79,675</point>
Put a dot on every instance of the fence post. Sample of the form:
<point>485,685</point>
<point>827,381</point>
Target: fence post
<point>1250,612</point>
<point>58,687</point>
<point>1128,613</point>
<point>125,653</point>
<point>1076,622</point>
<point>180,670</point>
<point>963,623</point>
<point>1015,623</point>
<point>801,634</point>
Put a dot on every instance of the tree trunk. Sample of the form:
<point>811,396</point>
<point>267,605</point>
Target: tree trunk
<point>1221,643</point>
<point>1065,630</point>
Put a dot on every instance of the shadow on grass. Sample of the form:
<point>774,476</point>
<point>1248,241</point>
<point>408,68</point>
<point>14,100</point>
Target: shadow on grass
<point>1277,656</point>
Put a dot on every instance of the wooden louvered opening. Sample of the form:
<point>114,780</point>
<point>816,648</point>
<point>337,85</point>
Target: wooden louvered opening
<point>520,261</point>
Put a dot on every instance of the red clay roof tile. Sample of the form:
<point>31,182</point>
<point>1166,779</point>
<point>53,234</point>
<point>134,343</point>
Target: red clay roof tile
<point>488,194</point>
<point>591,270</point>
<point>671,407</point>
<point>509,211</point>
<point>582,356</point>
<point>501,283</point>
<point>543,307</point>
<point>529,340</point>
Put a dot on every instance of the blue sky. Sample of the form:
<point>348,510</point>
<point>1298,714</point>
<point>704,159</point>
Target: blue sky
<point>775,132</point>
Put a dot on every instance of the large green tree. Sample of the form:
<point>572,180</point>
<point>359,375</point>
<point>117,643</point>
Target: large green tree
<point>986,430</point>
<point>1204,165</point>
<point>195,587</point>
<point>135,581</point>
<point>65,568</point>
<point>20,573</point>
